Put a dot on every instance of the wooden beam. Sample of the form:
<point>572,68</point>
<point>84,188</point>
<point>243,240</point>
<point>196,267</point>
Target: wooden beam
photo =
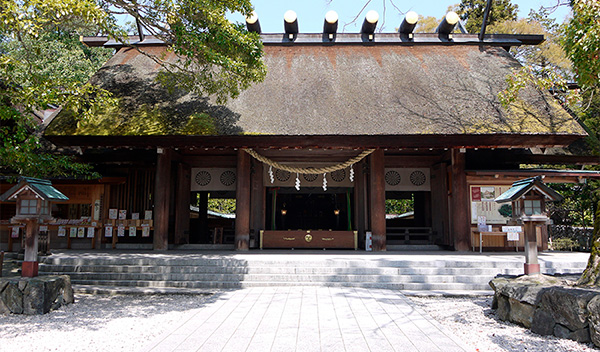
<point>435,141</point>
<point>411,161</point>
<point>460,229</point>
<point>377,184</point>
<point>182,207</point>
<point>503,40</point>
<point>242,202</point>
<point>161,199</point>
<point>212,161</point>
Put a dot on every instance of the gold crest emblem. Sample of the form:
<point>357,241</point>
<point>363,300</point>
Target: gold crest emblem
<point>308,238</point>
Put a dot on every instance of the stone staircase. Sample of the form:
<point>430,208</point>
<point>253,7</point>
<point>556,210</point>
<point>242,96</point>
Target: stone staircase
<point>234,271</point>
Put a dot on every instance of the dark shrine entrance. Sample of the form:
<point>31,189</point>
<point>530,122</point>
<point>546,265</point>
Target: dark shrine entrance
<point>309,218</point>
<point>310,208</point>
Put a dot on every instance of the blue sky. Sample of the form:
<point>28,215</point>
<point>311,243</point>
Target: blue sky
<point>311,13</point>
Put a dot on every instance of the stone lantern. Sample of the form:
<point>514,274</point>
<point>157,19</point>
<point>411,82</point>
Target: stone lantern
<point>34,197</point>
<point>528,198</point>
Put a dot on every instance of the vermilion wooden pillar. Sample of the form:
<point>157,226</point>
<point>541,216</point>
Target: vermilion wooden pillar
<point>161,199</point>
<point>377,200</point>
<point>182,208</point>
<point>242,202</point>
<point>459,204</point>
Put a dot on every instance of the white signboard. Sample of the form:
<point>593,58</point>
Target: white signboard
<point>483,204</point>
<point>512,229</point>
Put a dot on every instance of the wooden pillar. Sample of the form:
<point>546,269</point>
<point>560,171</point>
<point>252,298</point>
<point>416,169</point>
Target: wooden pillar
<point>182,207</point>
<point>257,198</point>
<point>459,204</point>
<point>360,201</point>
<point>203,236</point>
<point>378,200</point>
<point>161,199</point>
<point>242,202</point>
<point>29,267</point>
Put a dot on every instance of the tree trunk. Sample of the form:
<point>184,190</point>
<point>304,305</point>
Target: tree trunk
<point>591,274</point>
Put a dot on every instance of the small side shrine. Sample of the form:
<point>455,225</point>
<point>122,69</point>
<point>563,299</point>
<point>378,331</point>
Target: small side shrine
<point>528,198</point>
<point>34,197</point>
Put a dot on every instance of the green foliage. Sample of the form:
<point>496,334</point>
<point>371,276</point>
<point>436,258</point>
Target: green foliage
<point>505,210</point>
<point>222,205</point>
<point>564,244</point>
<point>542,58</point>
<point>427,24</point>
<point>216,57</point>
<point>472,12</point>
<point>399,206</point>
<point>581,41</point>
<point>43,65</point>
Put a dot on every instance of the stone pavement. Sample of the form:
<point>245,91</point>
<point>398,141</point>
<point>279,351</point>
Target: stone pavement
<point>308,319</point>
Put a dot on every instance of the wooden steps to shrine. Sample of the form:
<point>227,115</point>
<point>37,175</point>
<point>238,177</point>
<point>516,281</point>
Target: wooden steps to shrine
<point>226,272</point>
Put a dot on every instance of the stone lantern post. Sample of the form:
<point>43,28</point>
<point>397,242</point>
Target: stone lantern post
<point>528,198</point>
<point>34,198</point>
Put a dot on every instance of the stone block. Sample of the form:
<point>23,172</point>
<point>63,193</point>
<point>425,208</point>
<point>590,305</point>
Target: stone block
<point>521,312</point>
<point>567,306</point>
<point>542,322</point>
<point>4,308</point>
<point>593,308</point>
<point>39,295</point>
<point>3,285</point>
<point>561,331</point>
<point>13,297</point>
<point>581,335</point>
<point>503,311</point>
<point>34,298</point>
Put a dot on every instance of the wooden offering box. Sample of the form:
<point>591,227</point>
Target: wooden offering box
<point>309,239</point>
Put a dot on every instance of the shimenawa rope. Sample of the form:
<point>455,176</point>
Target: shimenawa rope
<point>302,170</point>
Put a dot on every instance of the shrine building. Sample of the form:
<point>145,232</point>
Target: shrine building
<point>342,125</point>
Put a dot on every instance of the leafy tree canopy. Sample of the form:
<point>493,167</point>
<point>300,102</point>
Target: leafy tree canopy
<point>42,64</point>
<point>472,12</point>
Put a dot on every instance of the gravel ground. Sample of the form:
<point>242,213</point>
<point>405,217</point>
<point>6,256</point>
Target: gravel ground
<point>128,322</point>
<point>98,323</point>
<point>473,320</point>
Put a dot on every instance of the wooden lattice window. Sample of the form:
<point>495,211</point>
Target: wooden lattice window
<point>28,206</point>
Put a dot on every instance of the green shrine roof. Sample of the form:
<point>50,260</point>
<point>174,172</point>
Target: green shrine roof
<point>41,187</point>
<point>519,188</point>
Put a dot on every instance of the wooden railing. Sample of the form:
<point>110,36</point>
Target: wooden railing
<point>409,235</point>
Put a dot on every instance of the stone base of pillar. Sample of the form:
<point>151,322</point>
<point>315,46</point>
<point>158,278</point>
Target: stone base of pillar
<point>532,269</point>
<point>29,269</point>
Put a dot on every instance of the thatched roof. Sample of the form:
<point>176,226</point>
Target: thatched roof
<point>332,90</point>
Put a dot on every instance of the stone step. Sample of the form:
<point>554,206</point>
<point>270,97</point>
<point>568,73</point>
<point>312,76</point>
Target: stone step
<point>341,263</point>
<point>185,269</point>
<point>265,278</point>
<point>217,271</point>
<point>280,270</point>
<point>238,284</point>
